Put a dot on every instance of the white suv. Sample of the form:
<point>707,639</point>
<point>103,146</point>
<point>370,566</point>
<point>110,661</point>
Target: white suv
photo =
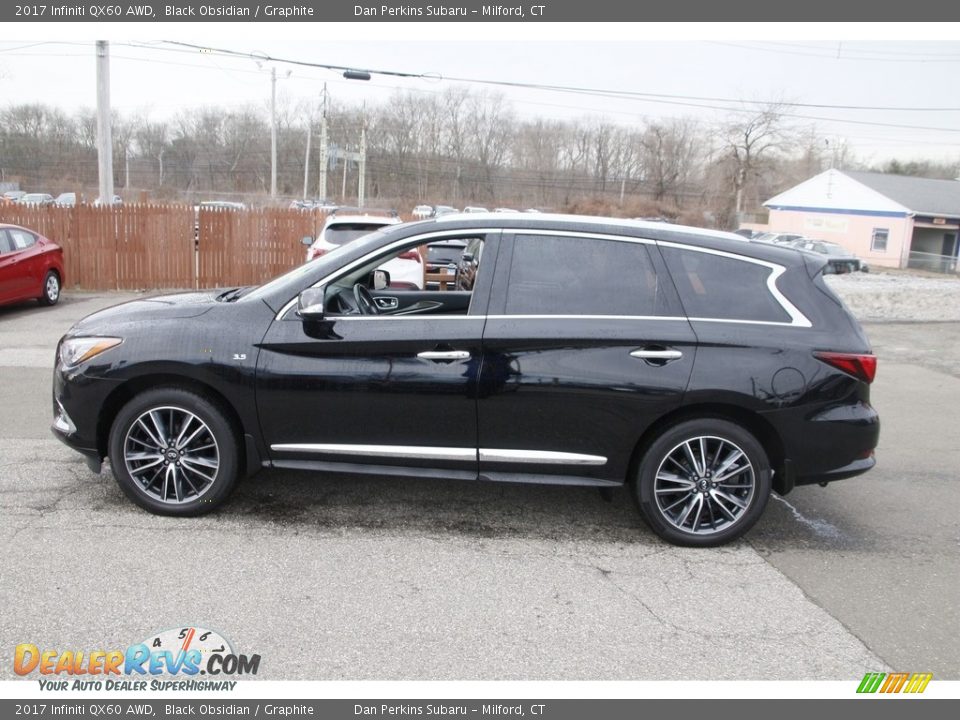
<point>345,225</point>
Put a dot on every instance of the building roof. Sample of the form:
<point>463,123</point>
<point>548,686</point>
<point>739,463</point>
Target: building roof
<point>872,193</point>
<point>924,196</point>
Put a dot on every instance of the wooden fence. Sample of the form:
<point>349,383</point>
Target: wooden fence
<point>133,247</point>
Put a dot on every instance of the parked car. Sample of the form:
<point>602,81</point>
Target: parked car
<point>748,234</point>
<point>697,368</point>
<point>67,199</point>
<point>31,266</point>
<point>504,210</point>
<point>778,238</point>
<point>839,259</point>
<point>443,256</point>
<point>117,200</point>
<point>346,225</point>
<point>14,195</point>
<point>221,205</point>
<point>36,199</point>
<point>422,211</point>
<point>444,210</point>
<point>475,209</point>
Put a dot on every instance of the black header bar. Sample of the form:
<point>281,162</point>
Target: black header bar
<point>519,11</point>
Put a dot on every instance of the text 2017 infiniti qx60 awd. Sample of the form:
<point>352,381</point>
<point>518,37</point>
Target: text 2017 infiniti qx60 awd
<point>699,368</point>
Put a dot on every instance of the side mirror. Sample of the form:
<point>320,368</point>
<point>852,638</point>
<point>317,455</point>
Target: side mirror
<point>310,303</point>
<point>306,240</point>
<point>467,257</point>
<point>381,279</point>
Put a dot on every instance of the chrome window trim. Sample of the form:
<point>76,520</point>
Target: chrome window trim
<point>797,318</point>
<point>404,452</point>
<point>593,220</point>
<point>580,233</point>
<point>566,316</point>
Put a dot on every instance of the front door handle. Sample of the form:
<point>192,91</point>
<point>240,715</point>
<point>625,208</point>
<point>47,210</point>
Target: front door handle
<point>444,355</point>
<point>386,303</point>
<point>661,354</point>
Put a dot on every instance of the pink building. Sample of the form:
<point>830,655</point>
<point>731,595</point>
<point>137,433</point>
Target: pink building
<point>887,220</point>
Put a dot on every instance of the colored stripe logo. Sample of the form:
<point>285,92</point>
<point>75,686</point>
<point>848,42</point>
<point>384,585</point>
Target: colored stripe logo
<point>894,683</point>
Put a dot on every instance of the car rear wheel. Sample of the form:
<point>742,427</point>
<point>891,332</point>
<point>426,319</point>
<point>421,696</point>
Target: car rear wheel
<point>51,289</point>
<point>703,483</point>
<point>174,452</point>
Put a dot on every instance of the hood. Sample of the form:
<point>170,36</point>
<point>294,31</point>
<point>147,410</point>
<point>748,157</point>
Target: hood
<point>161,307</point>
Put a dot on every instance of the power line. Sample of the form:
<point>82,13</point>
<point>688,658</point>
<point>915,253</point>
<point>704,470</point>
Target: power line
<point>581,90</point>
<point>836,55</point>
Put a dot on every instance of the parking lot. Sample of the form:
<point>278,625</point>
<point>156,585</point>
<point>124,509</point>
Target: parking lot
<point>345,578</point>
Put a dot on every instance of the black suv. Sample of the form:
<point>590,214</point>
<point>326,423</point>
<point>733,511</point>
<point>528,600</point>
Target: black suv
<point>699,368</point>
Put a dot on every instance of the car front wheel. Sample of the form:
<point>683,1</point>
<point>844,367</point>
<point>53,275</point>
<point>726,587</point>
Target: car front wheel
<point>703,482</point>
<point>174,452</point>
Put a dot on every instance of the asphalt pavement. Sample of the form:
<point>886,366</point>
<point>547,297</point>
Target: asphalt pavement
<point>342,578</point>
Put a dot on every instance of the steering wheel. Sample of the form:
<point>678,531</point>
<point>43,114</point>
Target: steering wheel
<point>364,300</point>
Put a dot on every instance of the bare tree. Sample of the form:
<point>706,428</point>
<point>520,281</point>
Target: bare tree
<point>750,141</point>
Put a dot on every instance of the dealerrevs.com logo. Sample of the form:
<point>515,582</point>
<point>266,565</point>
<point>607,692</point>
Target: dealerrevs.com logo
<point>889,683</point>
<point>153,664</point>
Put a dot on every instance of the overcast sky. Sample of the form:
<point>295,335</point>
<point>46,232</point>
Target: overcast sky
<point>700,66</point>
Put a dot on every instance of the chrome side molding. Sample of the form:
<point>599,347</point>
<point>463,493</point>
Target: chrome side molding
<point>403,452</point>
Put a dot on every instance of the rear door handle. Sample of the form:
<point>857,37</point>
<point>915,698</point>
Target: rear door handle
<point>444,355</point>
<point>650,354</point>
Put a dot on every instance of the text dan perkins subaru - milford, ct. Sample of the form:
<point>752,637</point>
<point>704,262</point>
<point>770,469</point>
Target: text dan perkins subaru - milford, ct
<point>698,368</point>
<point>446,11</point>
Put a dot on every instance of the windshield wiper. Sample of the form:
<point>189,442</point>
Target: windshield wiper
<point>230,295</point>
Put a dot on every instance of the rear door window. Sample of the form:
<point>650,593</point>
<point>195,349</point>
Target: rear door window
<point>21,239</point>
<point>560,275</point>
<point>723,288</point>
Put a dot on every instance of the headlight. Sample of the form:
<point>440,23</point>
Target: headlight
<point>77,350</point>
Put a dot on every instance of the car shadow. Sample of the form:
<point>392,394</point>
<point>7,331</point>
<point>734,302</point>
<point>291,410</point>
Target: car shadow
<point>476,509</point>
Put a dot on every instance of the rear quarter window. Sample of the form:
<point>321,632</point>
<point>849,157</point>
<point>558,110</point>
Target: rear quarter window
<point>723,288</point>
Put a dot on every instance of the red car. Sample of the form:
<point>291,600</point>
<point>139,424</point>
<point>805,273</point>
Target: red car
<point>31,266</point>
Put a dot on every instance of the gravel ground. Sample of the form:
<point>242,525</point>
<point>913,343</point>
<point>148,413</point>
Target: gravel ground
<point>899,296</point>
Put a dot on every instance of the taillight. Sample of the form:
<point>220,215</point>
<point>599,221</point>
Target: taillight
<point>410,255</point>
<point>861,366</point>
<point>317,252</point>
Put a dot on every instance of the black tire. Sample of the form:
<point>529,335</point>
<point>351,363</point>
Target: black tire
<point>140,435</point>
<point>50,290</point>
<point>685,488</point>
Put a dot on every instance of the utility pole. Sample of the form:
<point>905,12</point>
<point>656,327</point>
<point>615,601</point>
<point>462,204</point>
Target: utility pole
<point>104,140</point>
<point>273,133</point>
<point>362,169</point>
<point>324,149</point>
<point>306,160</point>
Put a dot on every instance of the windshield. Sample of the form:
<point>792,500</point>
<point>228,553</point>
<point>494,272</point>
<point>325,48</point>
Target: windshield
<point>343,233</point>
<point>834,250</point>
<point>301,271</point>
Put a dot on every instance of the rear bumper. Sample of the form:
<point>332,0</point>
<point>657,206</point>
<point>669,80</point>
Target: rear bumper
<point>857,467</point>
<point>829,444</point>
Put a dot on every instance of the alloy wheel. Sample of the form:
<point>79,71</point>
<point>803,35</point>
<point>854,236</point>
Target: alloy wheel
<point>171,454</point>
<point>704,485</point>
